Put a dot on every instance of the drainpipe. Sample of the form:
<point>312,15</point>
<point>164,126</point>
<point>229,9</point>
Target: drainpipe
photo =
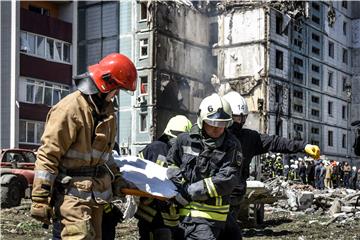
<point>263,114</point>
<point>14,78</point>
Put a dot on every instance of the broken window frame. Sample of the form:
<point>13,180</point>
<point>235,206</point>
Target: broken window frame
<point>315,99</point>
<point>330,108</point>
<point>315,81</point>
<point>315,112</point>
<point>298,108</point>
<point>344,4</point>
<point>344,112</point>
<point>146,85</point>
<point>143,45</point>
<point>345,56</point>
<point>343,142</point>
<point>330,138</point>
<point>279,59</point>
<point>143,126</point>
<point>330,78</point>
<point>143,15</point>
<point>331,49</point>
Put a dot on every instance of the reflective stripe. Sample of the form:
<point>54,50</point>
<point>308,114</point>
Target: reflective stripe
<point>107,208</point>
<point>218,201</point>
<point>201,214</point>
<point>80,194</point>
<point>188,150</point>
<point>103,155</point>
<point>141,155</point>
<point>200,210</point>
<point>45,175</point>
<point>148,209</point>
<point>144,215</point>
<point>71,153</point>
<point>170,220</point>
<point>210,187</point>
<point>207,207</point>
<point>160,162</point>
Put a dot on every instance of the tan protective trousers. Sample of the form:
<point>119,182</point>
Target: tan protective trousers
<point>81,219</point>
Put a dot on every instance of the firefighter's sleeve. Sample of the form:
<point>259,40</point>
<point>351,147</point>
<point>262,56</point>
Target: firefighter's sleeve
<point>222,183</point>
<point>60,132</point>
<point>275,143</point>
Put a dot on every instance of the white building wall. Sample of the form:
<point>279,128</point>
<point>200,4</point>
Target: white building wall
<point>242,26</point>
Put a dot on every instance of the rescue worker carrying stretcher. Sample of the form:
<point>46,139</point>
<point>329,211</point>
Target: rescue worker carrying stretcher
<point>253,143</point>
<point>159,220</point>
<point>74,172</point>
<point>204,165</point>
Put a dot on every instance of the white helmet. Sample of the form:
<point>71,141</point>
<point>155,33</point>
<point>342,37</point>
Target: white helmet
<point>215,111</point>
<point>286,166</point>
<point>237,103</point>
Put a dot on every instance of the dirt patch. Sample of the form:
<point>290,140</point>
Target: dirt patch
<point>17,224</point>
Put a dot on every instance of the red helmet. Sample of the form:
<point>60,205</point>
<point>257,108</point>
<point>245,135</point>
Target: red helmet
<point>112,72</point>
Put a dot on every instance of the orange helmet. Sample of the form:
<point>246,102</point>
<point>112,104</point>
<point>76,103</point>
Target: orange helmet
<point>112,72</point>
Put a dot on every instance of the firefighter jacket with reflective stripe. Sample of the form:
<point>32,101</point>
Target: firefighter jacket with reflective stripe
<point>149,209</point>
<point>72,142</point>
<point>253,143</point>
<point>211,174</point>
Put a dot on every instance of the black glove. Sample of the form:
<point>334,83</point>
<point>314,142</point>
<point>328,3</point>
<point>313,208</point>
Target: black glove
<point>183,198</point>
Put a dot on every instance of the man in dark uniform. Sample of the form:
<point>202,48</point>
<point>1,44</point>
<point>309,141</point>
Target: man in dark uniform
<point>159,219</point>
<point>252,144</point>
<point>205,165</point>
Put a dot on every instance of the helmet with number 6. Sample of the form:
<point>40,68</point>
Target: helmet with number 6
<point>215,111</point>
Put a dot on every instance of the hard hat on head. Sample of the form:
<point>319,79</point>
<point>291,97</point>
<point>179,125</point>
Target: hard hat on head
<point>215,111</point>
<point>177,125</point>
<point>114,71</point>
<point>237,103</point>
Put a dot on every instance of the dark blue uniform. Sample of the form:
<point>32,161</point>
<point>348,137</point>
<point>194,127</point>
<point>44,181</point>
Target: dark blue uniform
<point>211,172</point>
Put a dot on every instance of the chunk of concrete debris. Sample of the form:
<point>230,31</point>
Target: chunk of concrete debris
<point>305,200</point>
<point>335,207</point>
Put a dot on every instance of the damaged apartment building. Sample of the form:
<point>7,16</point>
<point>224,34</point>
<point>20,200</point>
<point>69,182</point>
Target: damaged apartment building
<point>296,63</point>
<point>292,61</point>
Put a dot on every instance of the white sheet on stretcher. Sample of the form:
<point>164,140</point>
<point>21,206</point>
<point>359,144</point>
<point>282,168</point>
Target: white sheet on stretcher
<point>146,176</point>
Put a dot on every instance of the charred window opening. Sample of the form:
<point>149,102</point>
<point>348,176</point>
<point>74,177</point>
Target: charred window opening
<point>278,93</point>
<point>344,84</point>
<point>298,108</point>
<point>144,85</point>
<point>143,11</point>
<point>344,112</point>
<point>330,138</point>
<point>315,37</point>
<point>315,112</point>
<point>298,76</point>
<point>315,99</point>
<point>278,128</point>
<point>315,68</point>
<point>298,94</point>
<point>143,122</point>
<point>279,59</point>
<point>331,49</point>
<point>298,61</point>
<point>298,127</point>
<point>330,79</point>
<point>315,81</point>
<point>144,47</point>
<point>344,28</point>
<point>315,19</point>
<point>345,56</point>
<point>279,23</point>
<point>343,142</point>
<point>344,4</point>
<point>315,50</point>
<point>298,42</point>
<point>315,130</point>
<point>330,108</point>
<point>214,33</point>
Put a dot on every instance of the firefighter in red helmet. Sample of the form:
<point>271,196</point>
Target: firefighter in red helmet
<point>74,171</point>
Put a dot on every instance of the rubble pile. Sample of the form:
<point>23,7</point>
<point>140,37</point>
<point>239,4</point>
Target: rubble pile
<point>341,205</point>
